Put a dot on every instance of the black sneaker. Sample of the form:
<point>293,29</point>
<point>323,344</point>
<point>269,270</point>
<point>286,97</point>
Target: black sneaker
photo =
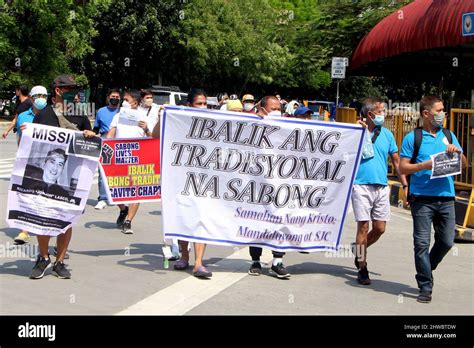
<point>55,253</point>
<point>424,297</point>
<point>127,227</point>
<point>40,267</point>
<point>255,269</point>
<point>363,276</point>
<point>121,218</point>
<point>60,271</point>
<point>280,271</point>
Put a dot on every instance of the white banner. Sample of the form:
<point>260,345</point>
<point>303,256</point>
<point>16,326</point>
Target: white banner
<point>234,178</point>
<point>51,179</point>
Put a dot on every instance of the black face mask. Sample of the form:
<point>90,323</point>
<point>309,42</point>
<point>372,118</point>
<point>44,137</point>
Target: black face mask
<point>114,101</point>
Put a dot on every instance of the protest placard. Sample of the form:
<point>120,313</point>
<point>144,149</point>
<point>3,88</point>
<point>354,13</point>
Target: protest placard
<point>445,164</point>
<point>51,179</point>
<point>130,169</point>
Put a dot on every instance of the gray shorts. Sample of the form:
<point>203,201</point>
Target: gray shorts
<point>371,202</point>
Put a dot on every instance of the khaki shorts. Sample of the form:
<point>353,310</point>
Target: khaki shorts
<point>371,202</point>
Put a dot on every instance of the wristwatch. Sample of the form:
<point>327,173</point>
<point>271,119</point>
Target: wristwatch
<point>405,186</point>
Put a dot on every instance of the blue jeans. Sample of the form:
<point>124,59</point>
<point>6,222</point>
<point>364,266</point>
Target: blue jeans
<point>440,213</point>
<point>102,192</point>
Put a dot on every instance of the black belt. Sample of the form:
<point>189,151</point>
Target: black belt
<point>433,198</point>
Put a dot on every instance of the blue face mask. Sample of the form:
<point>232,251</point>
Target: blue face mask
<point>378,120</point>
<point>40,103</point>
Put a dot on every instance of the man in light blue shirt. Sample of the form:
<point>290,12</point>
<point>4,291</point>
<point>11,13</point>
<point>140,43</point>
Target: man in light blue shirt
<point>102,122</point>
<point>38,95</point>
<point>105,114</point>
<point>432,200</point>
<point>371,194</point>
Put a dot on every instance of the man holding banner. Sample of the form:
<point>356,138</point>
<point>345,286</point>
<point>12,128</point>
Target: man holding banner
<point>371,193</point>
<point>268,106</point>
<point>43,211</point>
<point>130,123</point>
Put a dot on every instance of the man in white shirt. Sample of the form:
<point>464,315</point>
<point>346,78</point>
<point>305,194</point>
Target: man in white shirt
<point>131,123</point>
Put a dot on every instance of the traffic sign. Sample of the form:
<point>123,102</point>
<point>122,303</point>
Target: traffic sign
<point>338,73</point>
<point>338,67</point>
<point>467,24</point>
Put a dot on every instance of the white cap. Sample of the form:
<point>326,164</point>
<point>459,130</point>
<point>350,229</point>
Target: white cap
<point>38,90</point>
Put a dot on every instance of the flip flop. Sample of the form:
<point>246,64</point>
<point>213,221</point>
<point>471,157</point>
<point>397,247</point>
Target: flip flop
<point>202,272</point>
<point>181,265</point>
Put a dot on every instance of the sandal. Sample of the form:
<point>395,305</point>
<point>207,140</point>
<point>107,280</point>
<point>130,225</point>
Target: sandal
<point>202,272</point>
<point>181,265</point>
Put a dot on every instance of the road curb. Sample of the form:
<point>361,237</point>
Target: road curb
<point>465,234</point>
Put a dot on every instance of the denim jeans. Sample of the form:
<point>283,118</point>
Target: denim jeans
<point>440,213</point>
<point>102,192</point>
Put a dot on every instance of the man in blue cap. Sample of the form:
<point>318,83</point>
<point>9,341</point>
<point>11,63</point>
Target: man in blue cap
<point>303,113</point>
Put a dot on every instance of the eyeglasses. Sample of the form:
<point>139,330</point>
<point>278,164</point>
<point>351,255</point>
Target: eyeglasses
<point>40,96</point>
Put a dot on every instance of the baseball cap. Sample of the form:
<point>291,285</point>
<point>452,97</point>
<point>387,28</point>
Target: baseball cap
<point>302,110</point>
<point>233,105</point>
<point>65,81</point>
<point>248,97</point>
<point>38,90</point>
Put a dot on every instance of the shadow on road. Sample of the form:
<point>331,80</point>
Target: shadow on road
<point>10,232</point>
<point>350,274</point>
<point>155,212</point>
<point>138,248</point>
<point>20,268</point>
<point>91,202</point>
<point>101,224</point>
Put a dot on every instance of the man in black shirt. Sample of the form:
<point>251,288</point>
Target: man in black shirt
<point>64,89</point>
<point>24,103</point>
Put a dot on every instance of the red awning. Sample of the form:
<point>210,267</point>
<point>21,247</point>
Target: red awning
<point>421,25</point>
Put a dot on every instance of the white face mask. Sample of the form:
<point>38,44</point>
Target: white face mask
<point>148,102</point>
<point>248,106</point>
<point>275,113</point>
<point>126,104</point>
<point>438,119</point>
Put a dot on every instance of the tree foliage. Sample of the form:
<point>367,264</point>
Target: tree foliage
<point>222,45</point>
<point>40,39</point>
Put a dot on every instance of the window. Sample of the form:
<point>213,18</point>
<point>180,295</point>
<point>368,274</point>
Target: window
<point>161,98</point>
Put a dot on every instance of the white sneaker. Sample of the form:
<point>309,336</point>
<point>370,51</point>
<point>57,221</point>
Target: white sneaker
<point>101,205</point>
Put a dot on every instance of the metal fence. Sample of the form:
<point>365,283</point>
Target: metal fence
<point>400,124</point>
<point>346,115</point>
<point>461,123</point>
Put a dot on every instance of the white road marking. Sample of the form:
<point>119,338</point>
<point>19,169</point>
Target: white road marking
<point>183,296</point>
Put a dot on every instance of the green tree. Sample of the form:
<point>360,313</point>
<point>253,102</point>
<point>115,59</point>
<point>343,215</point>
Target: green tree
<point>131,42</point>
<point>41,39</point>
<point>225,45</point>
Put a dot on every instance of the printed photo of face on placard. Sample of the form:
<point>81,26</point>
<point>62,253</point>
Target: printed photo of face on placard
<point>51,170</point>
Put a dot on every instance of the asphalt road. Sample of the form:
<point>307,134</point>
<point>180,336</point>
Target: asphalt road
<point>113,273</point>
